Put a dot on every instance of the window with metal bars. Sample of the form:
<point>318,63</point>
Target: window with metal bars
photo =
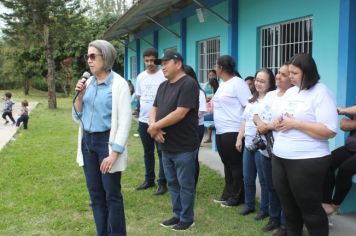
<point>133,67</point>
<point>280,42</point>
<point>208,53</point>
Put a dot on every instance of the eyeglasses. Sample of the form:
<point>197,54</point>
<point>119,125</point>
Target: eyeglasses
<point>91,56</point>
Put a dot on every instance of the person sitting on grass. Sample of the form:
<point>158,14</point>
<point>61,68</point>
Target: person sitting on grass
<point>24,115</point>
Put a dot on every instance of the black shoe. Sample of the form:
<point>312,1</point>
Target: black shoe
<point>261,215</point>
<point>6,122</point>
<point>270,226</point>
<point>170,222</point>
<point>281,231</point>
<point>230,203</point>
<point>182,226</point>
<point>219,200</point>
<point>246,211</point>
<point>145,185</point>
<point>162,189</point>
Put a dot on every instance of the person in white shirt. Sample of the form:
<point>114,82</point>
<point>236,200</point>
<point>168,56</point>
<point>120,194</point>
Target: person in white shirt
<point>202,110</point>
<point>147,84</point>
<point>307,118</point>
<point>252,158</point>
<point>264,124</point>
<point>228,105</point>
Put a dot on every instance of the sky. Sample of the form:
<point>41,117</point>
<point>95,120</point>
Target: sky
<point>2,10</point>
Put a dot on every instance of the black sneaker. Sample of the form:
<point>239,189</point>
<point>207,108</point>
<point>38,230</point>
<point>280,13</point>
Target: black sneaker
<point>219,200</point>
<point>145,185</point>
<point>6,122</point>
<point>282,231</point>
<point>246,211</point>
<point>261,215</point>
<point>182,226</point>
<point>270,226</point>
<point>170,222</point>
<point>230,203</point>
<point>162,189</point>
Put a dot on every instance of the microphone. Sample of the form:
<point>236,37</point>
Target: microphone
<point>85,76</point>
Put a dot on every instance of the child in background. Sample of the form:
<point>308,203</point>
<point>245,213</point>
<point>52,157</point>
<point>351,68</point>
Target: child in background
<point>8,108</point>
<point>24,115</point>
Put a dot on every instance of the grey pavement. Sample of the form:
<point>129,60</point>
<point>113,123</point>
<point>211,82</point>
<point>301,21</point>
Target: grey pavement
<point>8,131</point>
<point>340,225</point>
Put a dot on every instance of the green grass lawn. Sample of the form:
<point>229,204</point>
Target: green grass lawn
<point>42,190</point>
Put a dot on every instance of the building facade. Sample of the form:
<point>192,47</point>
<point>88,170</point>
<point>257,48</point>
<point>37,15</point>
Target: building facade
<point>257,33</point>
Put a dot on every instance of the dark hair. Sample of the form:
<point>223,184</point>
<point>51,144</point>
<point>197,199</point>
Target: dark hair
<point>24,103</point>
<point>150,52</point>
<point>189,71</point>
<point>8,95</point>
<point>310,72</point>
<point>249,78</point>
<point>214,71</point>
<point>214,83</point>
<point>271,82</point>
<point>227,64</point>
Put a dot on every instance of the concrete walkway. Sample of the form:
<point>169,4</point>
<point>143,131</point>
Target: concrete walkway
<point>8,131</point>
<point>341,225</point>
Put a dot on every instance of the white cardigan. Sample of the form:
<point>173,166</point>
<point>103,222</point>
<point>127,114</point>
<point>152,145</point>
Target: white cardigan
<point>120,122</point>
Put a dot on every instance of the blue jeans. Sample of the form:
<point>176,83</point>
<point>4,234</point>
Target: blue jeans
<point>104,189</point>
<point>275,208</point>
<point>180,168</point>
<point>251,167</point>
<point>149,156</point>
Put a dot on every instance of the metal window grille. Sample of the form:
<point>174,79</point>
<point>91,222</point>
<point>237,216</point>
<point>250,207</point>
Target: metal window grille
<point>133,67</point>
<point>280,42</point>
<point>208,53</point>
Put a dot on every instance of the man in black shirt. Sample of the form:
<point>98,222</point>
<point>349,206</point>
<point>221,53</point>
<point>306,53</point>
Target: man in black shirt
<point>174,124</point>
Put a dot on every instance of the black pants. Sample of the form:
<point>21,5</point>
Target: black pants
<point>345,161</point>
<point>24,119</point>
<point>197,166</point>
<point>232,160</point>
<point>9,114</point>
<point>299,185</point>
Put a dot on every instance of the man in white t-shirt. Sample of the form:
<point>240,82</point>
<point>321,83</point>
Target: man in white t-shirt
<point>147,84</point>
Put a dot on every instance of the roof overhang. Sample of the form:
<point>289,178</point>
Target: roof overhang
<point>142,14</point>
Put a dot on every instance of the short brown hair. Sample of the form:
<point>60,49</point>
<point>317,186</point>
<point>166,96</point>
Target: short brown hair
<point>24,103</point>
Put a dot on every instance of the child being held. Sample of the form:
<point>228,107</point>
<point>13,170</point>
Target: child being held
<point>8,108</point>
<point>24,115</point>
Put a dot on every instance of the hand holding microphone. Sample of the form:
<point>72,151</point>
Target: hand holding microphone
<point>81,84</point>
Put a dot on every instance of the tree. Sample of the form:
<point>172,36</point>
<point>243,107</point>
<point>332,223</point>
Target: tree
<point>43,23</point>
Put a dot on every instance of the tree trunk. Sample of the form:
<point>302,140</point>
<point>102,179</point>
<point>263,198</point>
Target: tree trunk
<point>26,85</point>
<point>52,100</point>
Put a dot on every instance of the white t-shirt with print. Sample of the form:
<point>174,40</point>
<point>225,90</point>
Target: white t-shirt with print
<point>229,102</point>
<point>268,110</point>
<point>202,106</point>
<point>146,87</point>
<point>316,104</point>
<point>250,128</point>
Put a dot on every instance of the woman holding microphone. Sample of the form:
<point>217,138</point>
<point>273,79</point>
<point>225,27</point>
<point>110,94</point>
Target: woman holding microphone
<point>103,108</point>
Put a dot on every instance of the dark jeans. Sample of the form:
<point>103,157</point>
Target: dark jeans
<point>232,160</point>
<point>299,184</point>
<point>344,161</point>
<point>197,166</point>
<point>24,119</point>
<point>104,189</point>
<point>275,208</point>
<point>180,168</point>
<point>252,166</point>
<point>9,114</point>
<point>149,156</point>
